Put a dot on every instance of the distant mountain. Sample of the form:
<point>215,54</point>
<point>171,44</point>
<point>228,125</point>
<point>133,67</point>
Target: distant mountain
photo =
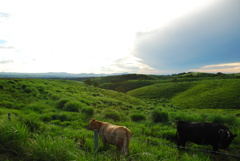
<point>52,75</point>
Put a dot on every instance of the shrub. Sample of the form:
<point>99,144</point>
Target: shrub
<point>54,116</point>
<point>66,123</point>
<point>6,104</point>
<point>46,118</point>
<point>61,117</point>
<point>54,96</point>
<point>73,106</point>
<point>37,106</point>
<point>88,110</point>
<point>169,135</point>
<point>112,114</point>
<point>41,89</point>
<point>138,117</point>
<point>31,90</point>
<point>159,116</point>
<point>62,102</point>
<point>56,122</point>
<point>139,108</point>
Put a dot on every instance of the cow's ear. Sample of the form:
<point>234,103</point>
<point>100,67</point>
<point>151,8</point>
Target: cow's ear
<point>234,136</point>
<point>93,120</point>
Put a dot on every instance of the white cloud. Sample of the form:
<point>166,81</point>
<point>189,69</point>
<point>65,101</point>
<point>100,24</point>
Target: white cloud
<point>6,61</point>
<point>222,65</point>
<point>3,16</point>
<point>6,47</point>
<point>224,68</point>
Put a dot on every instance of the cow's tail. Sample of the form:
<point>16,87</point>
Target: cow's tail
<point>126,143</point>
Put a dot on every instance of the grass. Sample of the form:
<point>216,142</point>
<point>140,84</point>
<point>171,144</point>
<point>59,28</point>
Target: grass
<point>13,138</point>
<point>43,125</point>
<point>211,94</point>
<point>206,94</point>
<point>159,116</point>
<point>138,117</point>
<point>161,90</point>
<point>54,148</point>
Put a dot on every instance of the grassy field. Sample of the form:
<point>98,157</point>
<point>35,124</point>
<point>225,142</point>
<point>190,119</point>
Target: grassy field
<point>205,94</point>
<point>48,117</point>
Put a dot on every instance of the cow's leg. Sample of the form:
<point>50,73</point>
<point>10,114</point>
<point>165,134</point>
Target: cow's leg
<point>104,140</point>
<point>181,143</point>
<point>121,145</point>
<point>123,149</point>
<point>125,146</point>
<point>215,147</point>
<point>180,140</point>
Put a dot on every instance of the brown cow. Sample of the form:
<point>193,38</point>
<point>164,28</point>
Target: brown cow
<point>112,134</point>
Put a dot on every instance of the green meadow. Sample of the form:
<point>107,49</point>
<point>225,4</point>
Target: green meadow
<point>45,119</point>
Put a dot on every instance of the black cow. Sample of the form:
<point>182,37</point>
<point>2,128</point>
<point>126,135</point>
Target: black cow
<point>213,134</point>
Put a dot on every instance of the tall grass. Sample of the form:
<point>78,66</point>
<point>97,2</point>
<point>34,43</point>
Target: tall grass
<point>47,148</point>
<point>224,119</point>
<point>13,138</point>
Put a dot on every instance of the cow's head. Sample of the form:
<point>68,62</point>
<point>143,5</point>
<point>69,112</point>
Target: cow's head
<point>92,125</point>
<point>226,138</point>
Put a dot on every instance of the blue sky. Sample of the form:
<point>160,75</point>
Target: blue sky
<point>144,36</point>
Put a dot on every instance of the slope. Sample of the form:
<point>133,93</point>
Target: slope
<point>211,94</point>
<point>161,90</point>
<point>52,95</point>
<point>216,93</point>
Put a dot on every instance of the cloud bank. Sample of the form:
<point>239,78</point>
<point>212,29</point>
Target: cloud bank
<point>211,36</point>
<point>6,47</point>
<point>3,17</point>
<point>6,61</point>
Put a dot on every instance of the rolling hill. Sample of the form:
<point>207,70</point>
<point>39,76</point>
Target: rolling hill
<point>209,94</point>
<point>19,93</point>
<point>127,82</point>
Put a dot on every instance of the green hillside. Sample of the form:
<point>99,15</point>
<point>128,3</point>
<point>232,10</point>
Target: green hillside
<point>127,82</point>
<point>21,93</point>
<point>216,93</point>
<point>161,90</point>
<point>45,120</point>
<point>212,94</point>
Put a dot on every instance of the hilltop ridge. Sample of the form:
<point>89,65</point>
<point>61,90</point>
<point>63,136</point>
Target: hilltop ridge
<point>52,75</point>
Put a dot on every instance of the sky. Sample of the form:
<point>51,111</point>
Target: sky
<point>120,36</point>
